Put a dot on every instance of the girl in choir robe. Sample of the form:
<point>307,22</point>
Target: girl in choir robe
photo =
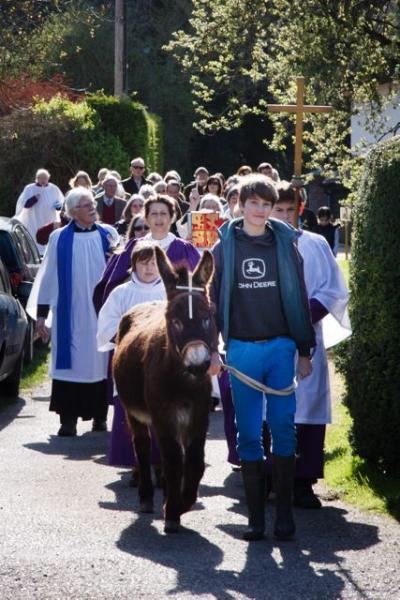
<point>159,211</point>
<point>144,285</point>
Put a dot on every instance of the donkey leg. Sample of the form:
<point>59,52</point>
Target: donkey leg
<point>193,472</point>
<point>142,444</point>
<point>172,454</point>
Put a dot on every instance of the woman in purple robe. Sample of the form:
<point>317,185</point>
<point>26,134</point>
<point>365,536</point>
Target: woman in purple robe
<point>159,213</point>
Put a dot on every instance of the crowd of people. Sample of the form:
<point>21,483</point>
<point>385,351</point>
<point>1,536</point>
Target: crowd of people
<point>280,299</point>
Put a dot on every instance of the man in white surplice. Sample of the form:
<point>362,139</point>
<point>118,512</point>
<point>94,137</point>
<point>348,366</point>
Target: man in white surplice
<point>39,204</point>
<point>73,263</point>
<point>328,299</point>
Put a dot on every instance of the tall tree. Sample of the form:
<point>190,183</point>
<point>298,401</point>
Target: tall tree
<point>246,52</point>
<point>31,29</point>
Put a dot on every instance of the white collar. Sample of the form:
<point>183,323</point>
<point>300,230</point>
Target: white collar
<point>164,243</point>
<point>144,285</point>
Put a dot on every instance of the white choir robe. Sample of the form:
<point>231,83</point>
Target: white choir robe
<point>325,282</point>
<point>88,262</point>
<point>43,212</point>
<point>121,300</point>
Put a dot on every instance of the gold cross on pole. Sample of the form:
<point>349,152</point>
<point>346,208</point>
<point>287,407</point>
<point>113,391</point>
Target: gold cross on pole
<point>299,108</point>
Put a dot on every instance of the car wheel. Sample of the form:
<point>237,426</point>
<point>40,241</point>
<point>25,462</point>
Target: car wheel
<point>10,386</point>
<point>28,350</point>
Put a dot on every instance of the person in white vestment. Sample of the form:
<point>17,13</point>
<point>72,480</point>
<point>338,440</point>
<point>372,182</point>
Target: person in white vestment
<point>39,204</point>
<point>144,285</point>
<point>328,299</point>
<point>62,299</point>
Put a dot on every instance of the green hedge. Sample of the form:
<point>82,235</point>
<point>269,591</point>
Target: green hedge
<point>370,361</point>
<point>64,136</point>
<point>138,131</point>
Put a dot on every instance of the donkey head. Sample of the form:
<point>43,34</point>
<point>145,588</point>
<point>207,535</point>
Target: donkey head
<point>190,319</point>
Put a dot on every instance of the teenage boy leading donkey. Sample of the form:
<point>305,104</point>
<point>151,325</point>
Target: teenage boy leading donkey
<point>264,319</point>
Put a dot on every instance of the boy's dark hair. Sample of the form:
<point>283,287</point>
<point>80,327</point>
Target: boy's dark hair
<point>169,203</point>
<point>257,185</point>
<point>286,192</point>
<point>324,211</point>
<point>142,252</point>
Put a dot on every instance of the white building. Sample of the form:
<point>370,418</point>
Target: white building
<point>363,131</point>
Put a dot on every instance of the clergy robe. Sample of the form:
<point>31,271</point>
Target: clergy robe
<point>88,366</point>
<point>325,283</point>
<point>122,299</point>
<point>44,210</point>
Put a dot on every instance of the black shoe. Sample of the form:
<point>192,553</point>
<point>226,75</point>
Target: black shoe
<point>253,473</point>
<point>304,496</point>
<point>99,425</point>
<point>67,429</point>
<point>283,478</point>
<point>214,403</point>
<point>134,480</point>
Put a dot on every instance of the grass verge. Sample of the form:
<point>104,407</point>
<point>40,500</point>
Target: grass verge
<point>35,373</point>
<point>355,481</point>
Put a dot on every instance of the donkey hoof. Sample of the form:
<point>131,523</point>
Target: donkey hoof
<point>171,526</point>
<point>146,507</point>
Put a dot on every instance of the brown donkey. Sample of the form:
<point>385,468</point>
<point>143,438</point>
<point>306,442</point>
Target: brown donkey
<point>160,367</point>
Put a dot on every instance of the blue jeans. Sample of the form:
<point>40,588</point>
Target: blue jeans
<point>272,363</point>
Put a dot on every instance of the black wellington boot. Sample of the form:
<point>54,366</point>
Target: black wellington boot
<point>283,476</point>
<point>253,473</point>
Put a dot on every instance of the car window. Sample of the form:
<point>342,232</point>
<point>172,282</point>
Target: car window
<point>23,245</point>
<point>7,252</point>
<point>31,253</point>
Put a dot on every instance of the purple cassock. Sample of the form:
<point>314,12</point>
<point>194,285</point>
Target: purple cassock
<point>117,270</point>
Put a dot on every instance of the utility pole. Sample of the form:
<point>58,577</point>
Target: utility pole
<point>119,48</point>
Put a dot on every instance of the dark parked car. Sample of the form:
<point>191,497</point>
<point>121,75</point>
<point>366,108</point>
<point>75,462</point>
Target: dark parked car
<point>13,333</point>
<point>21,257</point>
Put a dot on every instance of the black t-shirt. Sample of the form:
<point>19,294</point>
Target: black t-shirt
<point>256,306</point>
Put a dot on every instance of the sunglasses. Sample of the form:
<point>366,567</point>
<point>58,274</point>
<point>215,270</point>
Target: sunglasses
<point>137,167</point>
<point>141,228</point>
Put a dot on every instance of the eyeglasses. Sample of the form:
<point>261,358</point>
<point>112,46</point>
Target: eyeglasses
<point>141,228</point>
<point>86,206</point>
<point>137,167</point>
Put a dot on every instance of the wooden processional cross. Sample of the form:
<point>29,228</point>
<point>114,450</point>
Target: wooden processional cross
<point>299,108</point>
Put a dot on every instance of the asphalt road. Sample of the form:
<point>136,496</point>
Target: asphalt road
<point>69,529</point>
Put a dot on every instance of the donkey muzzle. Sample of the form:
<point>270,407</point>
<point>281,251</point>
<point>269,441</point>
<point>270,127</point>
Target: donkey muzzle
<point>196,357</point>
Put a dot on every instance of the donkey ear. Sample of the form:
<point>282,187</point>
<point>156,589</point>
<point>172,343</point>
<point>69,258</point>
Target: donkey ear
<point>166,270</point>
<point>204,270</point>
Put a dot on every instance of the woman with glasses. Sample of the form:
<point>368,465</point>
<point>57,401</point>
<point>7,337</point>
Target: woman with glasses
<point>134,206</point>
<point>138,228</point>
